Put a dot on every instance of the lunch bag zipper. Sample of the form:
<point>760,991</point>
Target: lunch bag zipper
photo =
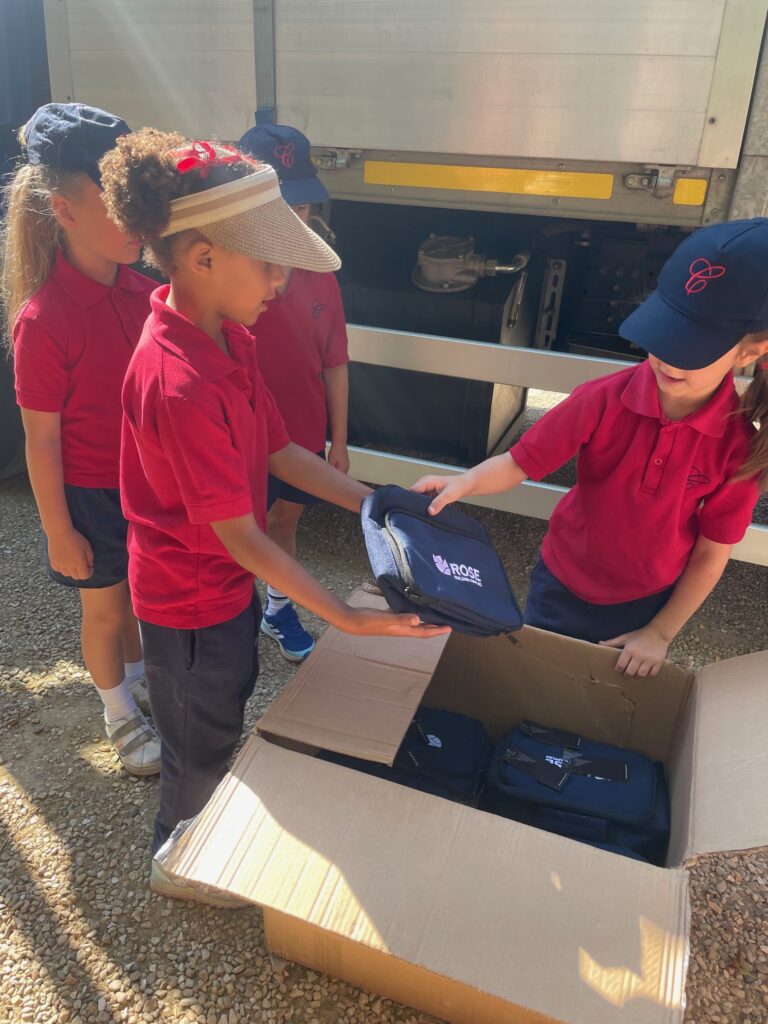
<point>410,588</point>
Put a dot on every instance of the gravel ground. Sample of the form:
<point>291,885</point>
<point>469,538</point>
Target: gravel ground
<point>81,938</point>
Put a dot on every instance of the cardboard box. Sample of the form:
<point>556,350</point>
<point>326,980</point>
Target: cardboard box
<point>463,914</point>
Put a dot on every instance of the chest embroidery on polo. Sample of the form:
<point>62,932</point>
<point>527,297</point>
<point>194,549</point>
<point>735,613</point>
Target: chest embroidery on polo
<point>318,308</point>
<point>696,477</point>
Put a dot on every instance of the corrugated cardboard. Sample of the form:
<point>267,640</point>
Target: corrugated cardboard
<point>728,763</point>
<point>456,892</point>
<point>460,913</point>
<point>381,973</point>
<point>355,695</point>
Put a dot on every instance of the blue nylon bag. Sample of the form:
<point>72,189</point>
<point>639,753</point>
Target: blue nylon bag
<point>443,753</point>
<point>591,792</point>
<point>444,568</point>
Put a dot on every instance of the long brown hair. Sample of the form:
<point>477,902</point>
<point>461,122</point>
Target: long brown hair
<point>31,235</point>
<point>754,405</point>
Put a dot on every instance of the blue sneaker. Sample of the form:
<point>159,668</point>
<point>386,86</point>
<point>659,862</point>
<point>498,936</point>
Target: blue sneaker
<point>294,641</point>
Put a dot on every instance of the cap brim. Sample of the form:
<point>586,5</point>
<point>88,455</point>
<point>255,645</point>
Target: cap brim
<point>682,343</point>
<point>302,191</point>
<point>272,232</point>
<point>72,167</point>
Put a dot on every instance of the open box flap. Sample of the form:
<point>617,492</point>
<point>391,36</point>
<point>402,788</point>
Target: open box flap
<point>723,761</point>
<point>493,904</point>
<point>355,695</point>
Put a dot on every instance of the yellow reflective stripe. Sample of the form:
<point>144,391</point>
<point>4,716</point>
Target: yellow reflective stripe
<point>515,181</point>
<point>690,191</point>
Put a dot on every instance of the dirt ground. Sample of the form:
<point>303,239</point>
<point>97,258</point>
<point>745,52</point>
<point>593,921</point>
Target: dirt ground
<point>81,938</point>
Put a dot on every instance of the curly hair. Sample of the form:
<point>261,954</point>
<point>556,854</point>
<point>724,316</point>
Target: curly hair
<point>140,180</point>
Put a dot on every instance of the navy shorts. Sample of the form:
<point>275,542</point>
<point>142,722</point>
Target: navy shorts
<point>277,488</point>
<point>96,513</point>
<point>552,606</point>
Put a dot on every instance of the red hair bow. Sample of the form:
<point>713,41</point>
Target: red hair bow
<point>202,156</point>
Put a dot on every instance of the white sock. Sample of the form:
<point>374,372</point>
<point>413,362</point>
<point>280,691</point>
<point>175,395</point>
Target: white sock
<point>275,601</point>
<point>134,670</point>
<point>118,701</point>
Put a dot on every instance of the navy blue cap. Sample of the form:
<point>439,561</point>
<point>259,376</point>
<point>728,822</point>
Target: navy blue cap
<point>72,137</point>
<point>712,291</point>
<point>287,150</point>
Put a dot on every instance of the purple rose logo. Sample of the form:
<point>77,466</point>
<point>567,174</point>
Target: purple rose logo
<point>442,565</point>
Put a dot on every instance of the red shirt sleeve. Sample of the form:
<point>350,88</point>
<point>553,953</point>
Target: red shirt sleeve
<point>212,480</point>
<point>726,513</point>
<point>40,368</point>
<point>276,433</point>
<point>560,434</point>
<point>336,351</point>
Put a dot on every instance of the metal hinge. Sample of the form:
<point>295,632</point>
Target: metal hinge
<point>651,179</point>
<point>337,159</point>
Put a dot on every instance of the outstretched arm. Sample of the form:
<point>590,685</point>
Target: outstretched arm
<point>304,470</point>
<point>547,445</point>
<point>259,555</point>
<point>501,473</point>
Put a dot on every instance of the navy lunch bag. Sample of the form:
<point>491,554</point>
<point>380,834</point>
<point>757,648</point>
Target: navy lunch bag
<point>606,796</point>
<point>444,567</point>
<point>443,753</point>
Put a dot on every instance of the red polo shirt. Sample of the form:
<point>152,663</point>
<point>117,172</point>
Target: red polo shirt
<point>198,430</point>
<point>72,344</point>
<point>301,333</point>
<point>647,487</point>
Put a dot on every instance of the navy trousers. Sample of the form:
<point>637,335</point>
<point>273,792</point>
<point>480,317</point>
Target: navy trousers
<point>552,606</point>
<point>199,681</point>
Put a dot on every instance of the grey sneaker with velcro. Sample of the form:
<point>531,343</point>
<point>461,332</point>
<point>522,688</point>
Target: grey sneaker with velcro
<point>136,743</point>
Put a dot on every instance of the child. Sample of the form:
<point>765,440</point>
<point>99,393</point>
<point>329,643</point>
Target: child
<point>77,312</point>
<point>668,467</point>
<point>302,346</point>
<point>200,434</point>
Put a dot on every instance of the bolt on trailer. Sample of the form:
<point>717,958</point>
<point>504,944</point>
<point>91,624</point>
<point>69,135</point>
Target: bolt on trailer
<point>507,177</point>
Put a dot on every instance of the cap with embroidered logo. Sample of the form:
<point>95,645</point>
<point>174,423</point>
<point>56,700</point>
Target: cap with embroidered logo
<point>712,291</point>
<point>287,150</point>
<point>72,137</point>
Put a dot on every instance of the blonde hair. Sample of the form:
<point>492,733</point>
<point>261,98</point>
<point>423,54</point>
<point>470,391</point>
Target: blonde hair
<point>31,235</point>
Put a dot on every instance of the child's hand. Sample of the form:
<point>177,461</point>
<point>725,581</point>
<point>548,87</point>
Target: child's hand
<point>71,555</point>
<point>371,622</point>
<point>338,457</point>
<point>644,652</point>
<point>446,488</point>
